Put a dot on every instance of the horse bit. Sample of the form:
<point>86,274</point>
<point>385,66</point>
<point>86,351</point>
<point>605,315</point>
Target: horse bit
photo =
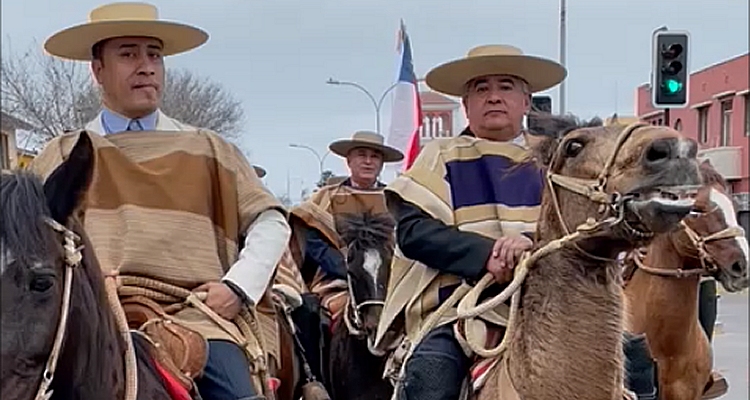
<point>73,258</point>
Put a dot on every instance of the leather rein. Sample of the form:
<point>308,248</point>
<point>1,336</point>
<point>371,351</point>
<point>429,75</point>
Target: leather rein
<point>73,258</point>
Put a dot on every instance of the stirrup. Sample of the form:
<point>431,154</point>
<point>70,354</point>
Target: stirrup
<point>716,387</point>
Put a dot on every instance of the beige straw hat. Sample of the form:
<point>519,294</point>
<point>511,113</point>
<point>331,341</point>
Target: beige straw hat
<point>121,20</point>
<point>497,59</point>
<point>369,140</point>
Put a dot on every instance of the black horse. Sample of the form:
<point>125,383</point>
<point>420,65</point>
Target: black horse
<point>356,370</point>
<point>35,219</point>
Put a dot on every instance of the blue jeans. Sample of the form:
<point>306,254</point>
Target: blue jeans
<point>437,368</point>
<point>227,374</point>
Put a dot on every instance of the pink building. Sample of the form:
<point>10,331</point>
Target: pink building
<point>718,117</point>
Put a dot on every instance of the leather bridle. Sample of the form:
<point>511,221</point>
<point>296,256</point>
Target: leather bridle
<point>709,266</point>
<point>73,257</point>
<point>593,189</point>
<point>353,310</point>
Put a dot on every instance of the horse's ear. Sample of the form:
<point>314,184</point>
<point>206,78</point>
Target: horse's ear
<point>67,185</point>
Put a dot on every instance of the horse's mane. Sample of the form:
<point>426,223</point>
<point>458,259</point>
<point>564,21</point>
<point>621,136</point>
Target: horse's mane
<point>369,230</point>
<point>21,201</point>
<point>93,341</point>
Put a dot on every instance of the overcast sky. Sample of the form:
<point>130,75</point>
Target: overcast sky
<point>276,55</point>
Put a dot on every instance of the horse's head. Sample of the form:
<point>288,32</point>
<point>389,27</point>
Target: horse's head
<point>369,240</point>
<point>33,267</point>
<point>712,237</point>
<point>641,175</point>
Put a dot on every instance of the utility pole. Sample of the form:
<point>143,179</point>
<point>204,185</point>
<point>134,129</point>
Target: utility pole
<point>563,46</point>
<point>378,104</point>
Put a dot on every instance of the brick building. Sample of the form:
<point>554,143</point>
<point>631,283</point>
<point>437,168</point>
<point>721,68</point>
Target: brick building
<point>440,116</point>
<point>718,117</point>
<point>11,153</point>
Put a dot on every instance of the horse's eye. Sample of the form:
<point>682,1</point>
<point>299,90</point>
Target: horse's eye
<point>42,282</point>
<point>573,148</point>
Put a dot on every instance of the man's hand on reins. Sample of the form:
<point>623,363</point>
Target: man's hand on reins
<point>505,255</point>
<point>221,299</point>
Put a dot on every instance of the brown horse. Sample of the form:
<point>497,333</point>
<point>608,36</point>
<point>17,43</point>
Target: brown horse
<point>605,187</point>
<point>58,332</point>
<point>662,296</point>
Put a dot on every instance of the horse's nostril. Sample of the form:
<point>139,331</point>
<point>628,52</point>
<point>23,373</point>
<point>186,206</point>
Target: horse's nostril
<point>739,268</point>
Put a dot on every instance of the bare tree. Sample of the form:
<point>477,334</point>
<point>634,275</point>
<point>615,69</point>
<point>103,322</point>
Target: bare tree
<point>55,95</point>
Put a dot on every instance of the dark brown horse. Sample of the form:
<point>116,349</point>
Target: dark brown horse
<point>37,274</point>
<point>356,370</point>
<point>662,292</point>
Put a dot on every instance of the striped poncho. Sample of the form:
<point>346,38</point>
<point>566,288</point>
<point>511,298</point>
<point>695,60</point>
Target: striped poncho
<point>170,206</point>
<point>476,185</point>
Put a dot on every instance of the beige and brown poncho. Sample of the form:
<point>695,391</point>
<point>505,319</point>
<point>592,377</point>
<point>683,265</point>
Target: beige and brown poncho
<point>170,206</point>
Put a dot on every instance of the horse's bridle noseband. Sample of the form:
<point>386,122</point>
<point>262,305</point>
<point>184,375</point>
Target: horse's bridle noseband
<point>593,189</point>
<point>709,265</point>
<point>352,310</point>
<point>73,258</point>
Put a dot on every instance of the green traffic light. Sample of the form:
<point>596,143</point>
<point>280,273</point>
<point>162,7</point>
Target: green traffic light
<point>672,86</point>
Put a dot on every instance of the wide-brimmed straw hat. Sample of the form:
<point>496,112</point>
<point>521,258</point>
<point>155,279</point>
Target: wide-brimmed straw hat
<point>120,20</point>
<point>367,139</point>
<point>260,171</point>
<point>497,59</point>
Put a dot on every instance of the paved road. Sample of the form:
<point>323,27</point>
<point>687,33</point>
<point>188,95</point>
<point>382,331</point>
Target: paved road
<point>731,344</point>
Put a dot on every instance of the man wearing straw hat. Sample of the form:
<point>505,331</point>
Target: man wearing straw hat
<point>318,246</point>
<point>171,202</point>
<point>442,192</point>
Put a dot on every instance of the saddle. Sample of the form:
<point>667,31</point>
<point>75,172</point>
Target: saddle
<point>178,349</point>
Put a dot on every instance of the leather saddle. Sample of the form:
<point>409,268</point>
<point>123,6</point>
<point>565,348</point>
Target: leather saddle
<point>178,349</point>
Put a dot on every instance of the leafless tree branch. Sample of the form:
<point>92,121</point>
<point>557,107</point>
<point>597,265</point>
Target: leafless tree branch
<point>55,95</point>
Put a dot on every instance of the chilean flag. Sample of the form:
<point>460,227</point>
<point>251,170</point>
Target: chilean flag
<point>406,112</point>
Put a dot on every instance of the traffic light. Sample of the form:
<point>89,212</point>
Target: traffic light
<point>670,74</point>
<point>541,104</point>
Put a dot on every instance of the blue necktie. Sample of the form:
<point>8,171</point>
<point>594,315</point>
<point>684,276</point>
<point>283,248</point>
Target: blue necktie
<point>135,125</point>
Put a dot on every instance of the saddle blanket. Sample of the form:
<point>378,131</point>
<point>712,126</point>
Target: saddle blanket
<point>479,372</point>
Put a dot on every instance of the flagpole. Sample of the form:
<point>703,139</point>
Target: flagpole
<point>563,50</point>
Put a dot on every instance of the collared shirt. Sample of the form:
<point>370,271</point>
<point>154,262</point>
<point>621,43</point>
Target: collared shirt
<point>519,140</point>
<point>376,186</point>
<point>116,123</point>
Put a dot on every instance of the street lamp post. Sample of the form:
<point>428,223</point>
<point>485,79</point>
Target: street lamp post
<point>376,103</point>
<point>315,153</point>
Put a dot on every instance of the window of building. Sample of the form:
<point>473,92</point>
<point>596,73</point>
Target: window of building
<point>4,151</point>
<point>678,125</point>
<point>726,122</point>
<point>747,115</point>
<point>703,124</point>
